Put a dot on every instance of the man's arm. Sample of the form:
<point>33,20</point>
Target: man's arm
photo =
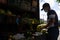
<point>51,20</point>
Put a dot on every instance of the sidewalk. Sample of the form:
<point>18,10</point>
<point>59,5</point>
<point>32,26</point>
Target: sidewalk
<point>59,34</point>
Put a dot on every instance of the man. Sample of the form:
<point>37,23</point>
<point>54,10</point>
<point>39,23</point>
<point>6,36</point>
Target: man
<point>52,22</point>
<point>18,19</point>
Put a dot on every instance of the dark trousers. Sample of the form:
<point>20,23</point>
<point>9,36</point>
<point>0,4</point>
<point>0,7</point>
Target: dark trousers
<point>52,33</point>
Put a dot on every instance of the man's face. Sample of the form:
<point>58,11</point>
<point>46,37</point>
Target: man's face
<point>46,9</point>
